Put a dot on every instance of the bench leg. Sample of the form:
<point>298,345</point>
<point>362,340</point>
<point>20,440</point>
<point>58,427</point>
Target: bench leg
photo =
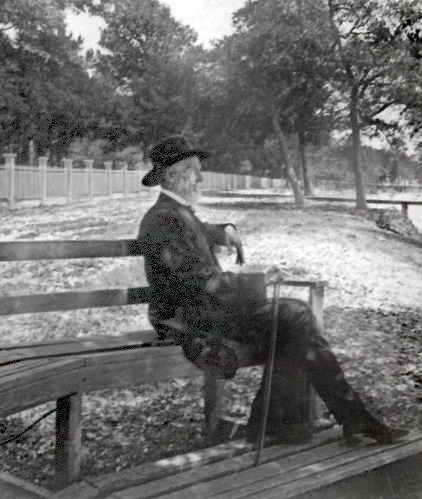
<point>213,397</point>
<point>68,438</point>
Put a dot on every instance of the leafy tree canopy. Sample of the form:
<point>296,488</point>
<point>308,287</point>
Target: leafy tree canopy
<point>148,56</point>
<point>47,96</point>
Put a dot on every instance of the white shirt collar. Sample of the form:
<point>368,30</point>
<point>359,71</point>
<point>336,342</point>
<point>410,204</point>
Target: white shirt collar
<point>175,196</point>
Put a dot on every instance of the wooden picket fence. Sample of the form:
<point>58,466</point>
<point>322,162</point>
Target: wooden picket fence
<point>46,184</point>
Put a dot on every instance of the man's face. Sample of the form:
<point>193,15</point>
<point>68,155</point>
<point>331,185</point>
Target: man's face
<point>184,178</point>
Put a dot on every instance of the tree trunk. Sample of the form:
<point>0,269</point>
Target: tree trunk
<point>290,173</point>
<point>354,121</point>
<point>307,188</point>
<point>353,108</point>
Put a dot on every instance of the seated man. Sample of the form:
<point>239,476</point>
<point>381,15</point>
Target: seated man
<point>191,294</point>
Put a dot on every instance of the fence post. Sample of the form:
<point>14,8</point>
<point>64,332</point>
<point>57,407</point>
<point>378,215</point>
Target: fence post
<point>42,163</point>
<point>108,165</point>
<point>10,167</point>
<point>88,165</point>
<point>68,168</point>
<point>124,181</point>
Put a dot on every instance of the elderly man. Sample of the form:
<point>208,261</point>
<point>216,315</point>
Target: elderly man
<point>209,311</point>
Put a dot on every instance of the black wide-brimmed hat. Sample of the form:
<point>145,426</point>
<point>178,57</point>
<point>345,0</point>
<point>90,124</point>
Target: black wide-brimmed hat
<point>167,152</point>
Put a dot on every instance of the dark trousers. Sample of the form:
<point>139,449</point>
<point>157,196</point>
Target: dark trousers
<point>301,354</point>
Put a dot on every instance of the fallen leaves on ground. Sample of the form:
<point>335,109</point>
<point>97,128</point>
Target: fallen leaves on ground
<point>372,316</point>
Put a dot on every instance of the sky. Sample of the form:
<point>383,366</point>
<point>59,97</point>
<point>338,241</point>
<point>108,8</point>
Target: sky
<point>211,19</point>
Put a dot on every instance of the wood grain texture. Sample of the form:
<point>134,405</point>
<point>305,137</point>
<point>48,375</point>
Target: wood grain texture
<point>127,372</point>
<point>33,371</point>
<point>145,335</point>
<point>73,300</point>
<point>31,382</point>
<point>15,356</point>
<point>30,394</point>
<point>287,477</point>
<point>24,367</point>
<point>333,470</point>
<point>57,250</point>
<point>225,472</point>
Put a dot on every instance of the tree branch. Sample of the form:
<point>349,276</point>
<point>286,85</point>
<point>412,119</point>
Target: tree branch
<point>364,83</point>
<point>7,27</point>
<point>345,61</point>
<point>382,108</point>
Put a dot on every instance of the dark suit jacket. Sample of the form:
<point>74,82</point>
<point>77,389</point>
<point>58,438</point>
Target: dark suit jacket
<point>183,272</point>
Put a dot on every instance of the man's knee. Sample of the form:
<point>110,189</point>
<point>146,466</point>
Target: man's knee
<point>296,319</point>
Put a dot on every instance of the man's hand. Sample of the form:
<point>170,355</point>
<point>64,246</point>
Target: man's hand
<point>274,275</point>
<point>233,240</point>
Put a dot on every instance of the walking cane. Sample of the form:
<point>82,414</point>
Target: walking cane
<point>268,374</point>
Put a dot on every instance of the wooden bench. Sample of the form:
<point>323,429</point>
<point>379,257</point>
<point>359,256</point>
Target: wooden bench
<point>404,204</point>
<point>32,374</point>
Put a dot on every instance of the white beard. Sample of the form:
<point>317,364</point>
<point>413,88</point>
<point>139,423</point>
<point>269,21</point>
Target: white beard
<point>193,197</point>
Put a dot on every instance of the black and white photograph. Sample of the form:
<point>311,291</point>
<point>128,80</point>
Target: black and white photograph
<point>210,249</point>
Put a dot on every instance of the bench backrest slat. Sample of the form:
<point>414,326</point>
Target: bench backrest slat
<point>50,302</point>
<point>59,250</point>
<point>371,201</point>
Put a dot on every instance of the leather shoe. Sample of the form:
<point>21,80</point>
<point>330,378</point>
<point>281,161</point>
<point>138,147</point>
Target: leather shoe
<point>380,432</point>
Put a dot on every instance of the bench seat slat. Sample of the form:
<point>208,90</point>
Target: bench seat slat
<point>57,250</point>
<point>291,476</point>
<point>199,466</point>
<point>129,371</point>
<point>60,377</point>
<point>21,367</point>
<point>72,300</point>
<point>38,384</point>
<point>224,474</point>
<point>333,470</point>
<point>11,356</point>
<point>70,343</point>
<point>32,370</point>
